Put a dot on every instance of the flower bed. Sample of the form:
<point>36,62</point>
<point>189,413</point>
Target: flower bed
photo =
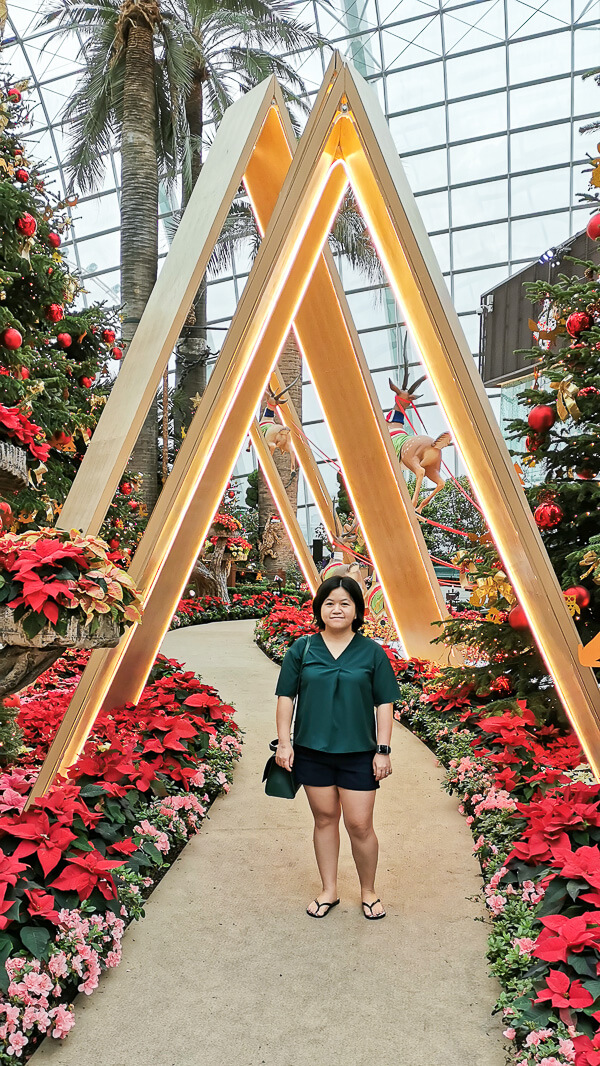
<point>77,866</point>
<point>533,807</point>
<point>194,612</point>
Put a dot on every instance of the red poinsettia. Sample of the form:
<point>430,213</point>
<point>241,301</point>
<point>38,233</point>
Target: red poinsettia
<point>85,873</point>
<point>38,836</point>
<point>582,864</point>
<point>41,905</point>
<point>562,935</point>
<point>564,993</point>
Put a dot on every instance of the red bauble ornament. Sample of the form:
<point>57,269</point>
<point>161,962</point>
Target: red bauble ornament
<point>585,474</point>
<point>231,495</point>
<point>109,336</point>
<point>14,96</point>
<point>26,225</point>
<point>116,353</point>
<point>86,382</point>
<point>6,515</point>
<point>64,340</point>
<point>24,373</point>
<point>55,312</point>
<point>21,175</point>
<point>581,594</point>
<point>126,488</point>
<point>577,321</point>
<point>54,239</point>
<point>501,684</point>
<point>541,418</point>
<point>589,390</point>
<point>11,338</point>
<point>548,515</point>
<point>593,227</point>
<point>533,443</point>
<point>133,505</point>
<point>517,618</point>
<point>114,543</point>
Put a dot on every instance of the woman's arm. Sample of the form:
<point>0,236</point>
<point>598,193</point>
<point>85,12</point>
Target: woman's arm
<point>385,718</point>
<point>382,764</point>
<point>284,756</point>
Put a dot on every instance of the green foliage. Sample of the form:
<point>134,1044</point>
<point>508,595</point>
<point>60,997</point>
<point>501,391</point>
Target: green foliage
<point>11,736</point>
<point>451,508</point>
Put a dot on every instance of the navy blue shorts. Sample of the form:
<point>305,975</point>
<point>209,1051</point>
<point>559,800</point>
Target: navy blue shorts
<point>348,769</point>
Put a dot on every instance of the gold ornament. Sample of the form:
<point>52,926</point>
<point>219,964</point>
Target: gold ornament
<point>591,559</point>
<point>492,589</point>
<point>3,124</point>
<point>595,177</point>
<point>494,616</point>
<point>465,567</point>
<point>566,392</point>
<point>196,401</point>
<point>572,606</point>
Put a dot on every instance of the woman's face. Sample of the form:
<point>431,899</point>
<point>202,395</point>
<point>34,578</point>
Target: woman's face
<point>338,610</point>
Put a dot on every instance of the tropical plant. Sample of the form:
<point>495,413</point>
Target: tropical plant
<point>155,71</point>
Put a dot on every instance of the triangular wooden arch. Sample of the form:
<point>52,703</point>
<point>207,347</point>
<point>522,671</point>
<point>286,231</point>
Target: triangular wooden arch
<point>294,281</point>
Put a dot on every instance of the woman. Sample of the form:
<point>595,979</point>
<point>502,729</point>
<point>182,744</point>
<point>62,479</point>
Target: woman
<point>341,748</point>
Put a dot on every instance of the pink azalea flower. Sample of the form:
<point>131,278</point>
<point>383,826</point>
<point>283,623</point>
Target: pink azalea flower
<point>38,983</point>
<point>16,1043</point>
<point>198,779</point>
<point>525,944</point>
<point>509,1034</point>
<point>64,1020</point>
<point>567,1048</point>
<point>496,903</point>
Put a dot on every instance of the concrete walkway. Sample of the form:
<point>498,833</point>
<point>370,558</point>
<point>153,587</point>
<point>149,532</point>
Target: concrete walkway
<point>228,970</point>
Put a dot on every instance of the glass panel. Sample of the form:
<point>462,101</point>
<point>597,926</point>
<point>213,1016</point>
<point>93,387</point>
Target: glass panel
<point>481,113</point>
<point>531,237</point>
<point>434,210</point>
<point>368,308</point>
<point>477,72</point>
<point>528,60</point>
<point>532,148</point>
<point>412,42</point>
<point>474,27</point>
<point>470,325</point>
<point>587,43</point>
<point>524,19</point>
<point>415,87</point>
<point>379,346</point>
<point>480,159</point>
<point>480,203</point>
<point>104,287</point>
<point>429,170</point>
<point>586,96</point>
<point>529,106</point>
<point>441,246</point>
<point>394,10</point>
<point>469,287</point>
<point>476,247</point>
<point>93,216</point>
<point>99,252</point>
<point>221,299</point>
<point>420,129</point>
<point>536,192</point>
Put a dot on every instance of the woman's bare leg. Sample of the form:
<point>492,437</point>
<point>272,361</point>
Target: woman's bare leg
<point>358,819</point>
<point>325,806</point>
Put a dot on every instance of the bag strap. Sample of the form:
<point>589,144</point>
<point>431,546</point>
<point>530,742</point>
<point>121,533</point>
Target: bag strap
<point>302,660</point>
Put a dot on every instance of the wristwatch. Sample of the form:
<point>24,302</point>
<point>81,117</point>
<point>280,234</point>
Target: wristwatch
<point>384,749</point>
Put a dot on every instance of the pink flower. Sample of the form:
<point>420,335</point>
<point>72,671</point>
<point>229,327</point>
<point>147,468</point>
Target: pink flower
<point>536,1036</point>
<point>509,1034</point>
<point>38,983</point>
<point>567,1048</point>
<point>64,1020</point>
<point>524,943</point>
<point>549,1061</point>
<point>496,903</point>
<point>16,1043</point>
<point>12,1015</point>
<point>221,778</point>
<point>197,779</point>
<point>469,819</point>
<point>11,801</point>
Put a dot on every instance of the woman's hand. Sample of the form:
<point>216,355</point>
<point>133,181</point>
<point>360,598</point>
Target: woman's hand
<point>382,766</point>
<point>284,756</point>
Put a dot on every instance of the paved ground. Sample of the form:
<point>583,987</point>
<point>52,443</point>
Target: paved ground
<point>227,969</point>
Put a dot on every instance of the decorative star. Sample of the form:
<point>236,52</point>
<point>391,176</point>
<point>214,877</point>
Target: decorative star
<point>196,400</point>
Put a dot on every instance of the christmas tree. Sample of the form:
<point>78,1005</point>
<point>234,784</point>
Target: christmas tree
<point>53,355</point>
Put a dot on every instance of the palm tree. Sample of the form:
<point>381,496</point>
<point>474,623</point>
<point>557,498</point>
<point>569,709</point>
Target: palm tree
<point>152,70</point>
<point>231,47</point>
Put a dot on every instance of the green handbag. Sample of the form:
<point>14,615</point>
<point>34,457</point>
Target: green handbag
<point>280,782</point>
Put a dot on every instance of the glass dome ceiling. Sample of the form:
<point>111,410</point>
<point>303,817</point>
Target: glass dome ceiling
<point>484,99</point>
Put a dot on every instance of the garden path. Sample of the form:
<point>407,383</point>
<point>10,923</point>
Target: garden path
<point>227,970</point>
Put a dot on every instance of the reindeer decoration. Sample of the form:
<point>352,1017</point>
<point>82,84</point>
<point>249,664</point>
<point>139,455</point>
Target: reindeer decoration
<point>275,433</point>
<point>418,453</point>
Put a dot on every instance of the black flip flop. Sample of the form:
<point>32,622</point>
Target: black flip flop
<point>319,905</point>
<point>372,917</point>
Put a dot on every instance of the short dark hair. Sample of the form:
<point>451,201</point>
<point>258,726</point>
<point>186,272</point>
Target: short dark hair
<point>339,581</point>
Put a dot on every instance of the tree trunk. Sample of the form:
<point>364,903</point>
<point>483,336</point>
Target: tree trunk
<point>190,364</point>
<point>139,222</point>
<point>289,366</point>
<point>219,565</point>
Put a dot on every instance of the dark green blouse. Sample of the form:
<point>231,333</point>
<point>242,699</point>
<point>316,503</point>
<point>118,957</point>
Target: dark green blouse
<point>337,697</point>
